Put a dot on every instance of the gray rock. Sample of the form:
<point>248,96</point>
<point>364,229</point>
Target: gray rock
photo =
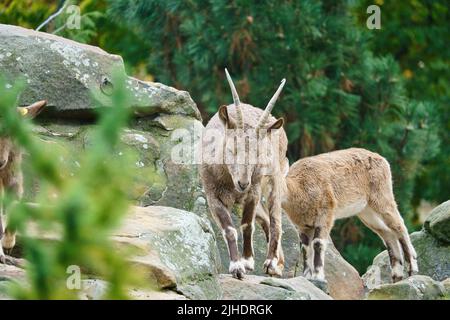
<point>414,288</point>
<point>173,249</point>
<point>158,180</point>
<point>8,274</point>
<point>177,248</point>
<point>263,288</point>
<point>433,258</point>
<point>68,74</point>
<point>95,289</point>
<point>438,222</point>
<point>446,284</point>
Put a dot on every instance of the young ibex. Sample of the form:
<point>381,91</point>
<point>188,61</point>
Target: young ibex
<point>11,178</point>
<point>229,181</point>
<point>340,184</point>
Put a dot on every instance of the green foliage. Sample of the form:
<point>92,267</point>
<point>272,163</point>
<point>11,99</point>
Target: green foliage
<point>26,13</point>
<point>80,205</point>
<point>416,33</point>
<point>96,27</point>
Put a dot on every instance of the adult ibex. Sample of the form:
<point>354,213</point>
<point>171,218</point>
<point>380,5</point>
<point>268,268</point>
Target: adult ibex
<point>340,184</point>
<point>11,178</point>
<point>238,135</point>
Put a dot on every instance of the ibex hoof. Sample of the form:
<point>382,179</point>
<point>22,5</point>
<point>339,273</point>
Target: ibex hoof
<point>397,272</point>
<point>307,273</point>
<point>237,269</point>
<point>249,263</point>
<point>272,268</point>
<point>2,259</point>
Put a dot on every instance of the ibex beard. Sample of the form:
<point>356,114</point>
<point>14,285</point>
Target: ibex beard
<point>11,177</point>
<point>244,157</point>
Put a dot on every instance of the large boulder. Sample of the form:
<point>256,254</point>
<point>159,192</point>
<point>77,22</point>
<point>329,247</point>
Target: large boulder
<point>414,288</point>
<point>263,288</point>
<point>438,222</point>
<point>433,257</point>
<point>158,179</point>
<point>68,74</point>
<point>174,249</point>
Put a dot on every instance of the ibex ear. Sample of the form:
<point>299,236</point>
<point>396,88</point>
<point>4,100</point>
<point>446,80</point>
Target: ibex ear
<point>32,110</point>
<point>276,125</point>
<point>224,117</point>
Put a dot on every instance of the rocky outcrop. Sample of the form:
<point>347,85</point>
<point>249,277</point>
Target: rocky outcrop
<point>263,288</point>
<point>95,289</point>
<point>414,288</point>
<point>177,248</point>
<point>68,74</point>
<point>433,252</point>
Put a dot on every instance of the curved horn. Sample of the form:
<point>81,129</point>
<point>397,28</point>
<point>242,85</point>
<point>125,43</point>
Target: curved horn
<point>270,105</point>
<point>237,102</point>
<point>32,110</point>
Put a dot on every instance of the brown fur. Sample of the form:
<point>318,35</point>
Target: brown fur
<point>222,192</point>
<point>11,177</point>
<point>339,184</point>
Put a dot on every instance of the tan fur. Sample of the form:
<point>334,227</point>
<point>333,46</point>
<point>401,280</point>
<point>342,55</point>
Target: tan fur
<point>11,177</point>
<point>222,192</point>
<point>339,184</point>
<point>11,181</point>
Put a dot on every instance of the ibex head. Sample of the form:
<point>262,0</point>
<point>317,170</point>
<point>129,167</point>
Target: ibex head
<point>237,140</point>
<point>6,145</point>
